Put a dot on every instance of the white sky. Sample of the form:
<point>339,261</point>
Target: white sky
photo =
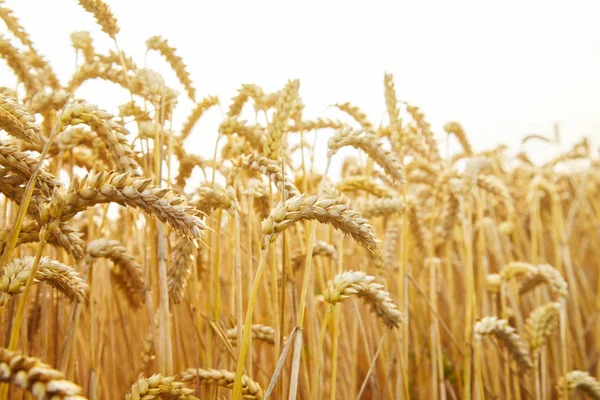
<point>502,69</point>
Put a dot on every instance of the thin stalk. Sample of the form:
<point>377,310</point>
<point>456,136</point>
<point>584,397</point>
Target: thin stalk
<point>336,330</point>
<point>237,385</point>
<point>238,278</point>
<point>317,380</point>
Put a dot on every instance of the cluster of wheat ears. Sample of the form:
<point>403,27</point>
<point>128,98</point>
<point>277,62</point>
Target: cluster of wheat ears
<point>472,276</point>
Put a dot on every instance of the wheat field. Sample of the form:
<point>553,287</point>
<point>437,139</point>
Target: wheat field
<point>133,268</point>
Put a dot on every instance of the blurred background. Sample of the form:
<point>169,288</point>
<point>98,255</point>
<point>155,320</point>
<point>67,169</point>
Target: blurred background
<point>501,69</point>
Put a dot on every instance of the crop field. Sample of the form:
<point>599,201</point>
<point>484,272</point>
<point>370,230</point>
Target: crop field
<point>133,267</point>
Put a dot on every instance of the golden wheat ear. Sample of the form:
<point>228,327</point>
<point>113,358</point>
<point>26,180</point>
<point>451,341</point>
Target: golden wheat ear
<point>41,380</point>
<point>356,283</point>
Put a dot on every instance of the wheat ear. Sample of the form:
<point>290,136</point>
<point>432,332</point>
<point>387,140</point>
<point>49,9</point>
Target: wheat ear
<point>325,211</point>
<point>266,167</point>
<point>126,272</point>
<point>103,15</point>
<point>278,127</point>
<point>135,192</point>
<point>581,381</point>
<point>223,378</point>
<point>320,248</point>
<point>371,145</point>
<point>159,387</point>
<point>540,324</point>
<point>60,276</point>
<point>41,380</point>
<point>366,183</point>
<point>356,283</point>
<point>197,113</point>
<point>260,332</point>
<point>505,334</point>
<point>20,67</point>
<point>81,40</point>
<point>18,122</point>
<point>381,207</point>
<point>111,132</point>
<point>454,128</point>
<point>180,267</point>
<point>545,273</point>
<point>161,45</point>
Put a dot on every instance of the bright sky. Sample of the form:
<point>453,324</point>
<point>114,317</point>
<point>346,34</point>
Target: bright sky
<point>502,69</point>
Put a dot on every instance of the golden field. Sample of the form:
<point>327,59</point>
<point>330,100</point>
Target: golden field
<point>132,267</point>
